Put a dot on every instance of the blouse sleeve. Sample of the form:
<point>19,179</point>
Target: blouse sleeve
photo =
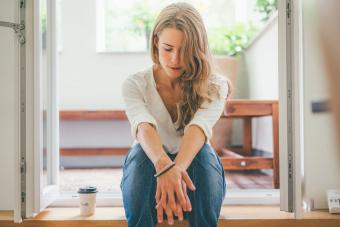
<point>135,105</point>
<point>209,113</point>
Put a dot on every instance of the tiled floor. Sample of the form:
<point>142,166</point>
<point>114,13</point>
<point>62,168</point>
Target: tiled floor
<point>108,179</point>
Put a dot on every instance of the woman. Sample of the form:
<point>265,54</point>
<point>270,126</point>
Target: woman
<point>172,107</point>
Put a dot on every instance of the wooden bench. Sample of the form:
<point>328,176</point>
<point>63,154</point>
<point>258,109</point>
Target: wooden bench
<point>231,160</point>
<point>243,159</point>
<point>95,115</point>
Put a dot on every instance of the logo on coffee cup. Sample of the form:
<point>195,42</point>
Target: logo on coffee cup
<point>87,200</point>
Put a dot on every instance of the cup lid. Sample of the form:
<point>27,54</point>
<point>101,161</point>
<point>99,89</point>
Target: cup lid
<point>87,189</point>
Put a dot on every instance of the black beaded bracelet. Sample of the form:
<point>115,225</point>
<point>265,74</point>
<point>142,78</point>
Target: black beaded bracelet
<point>166,168</point>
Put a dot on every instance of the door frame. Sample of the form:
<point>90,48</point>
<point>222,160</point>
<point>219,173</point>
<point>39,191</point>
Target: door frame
<point>31,198</point>
<point>290,96</point>
<point>45,195</point>
<point>291,105</point>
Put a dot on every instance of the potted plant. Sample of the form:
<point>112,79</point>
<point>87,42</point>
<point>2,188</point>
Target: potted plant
<point>227,44</point>
<point>266,8</point>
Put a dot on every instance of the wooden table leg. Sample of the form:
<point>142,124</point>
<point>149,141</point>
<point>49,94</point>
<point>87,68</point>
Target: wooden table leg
<point>276,167</point>
<point>247,141</point>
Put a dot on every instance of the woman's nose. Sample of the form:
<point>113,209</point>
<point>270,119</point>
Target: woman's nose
<point>175,58</point>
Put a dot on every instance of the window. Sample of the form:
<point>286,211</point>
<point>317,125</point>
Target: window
<point>125,26</point>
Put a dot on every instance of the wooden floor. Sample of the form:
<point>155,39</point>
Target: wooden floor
<point>108,179</point>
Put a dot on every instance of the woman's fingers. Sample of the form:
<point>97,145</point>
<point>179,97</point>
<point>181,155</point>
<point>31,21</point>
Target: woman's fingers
<point>188,181</point>
<point>171,201</point>
<point>163,200</point>
<point>187,200</point>
<point>169,215</point>
<point>158,194</point>
<point>171,195</point>
<point>159,213</point>
<point>179,212</point>
<point>180,194</point>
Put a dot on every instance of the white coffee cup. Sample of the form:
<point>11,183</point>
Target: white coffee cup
<point>87,200</point>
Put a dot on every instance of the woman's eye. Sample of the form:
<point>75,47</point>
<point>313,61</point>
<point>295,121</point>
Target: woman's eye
<point>167,49</point>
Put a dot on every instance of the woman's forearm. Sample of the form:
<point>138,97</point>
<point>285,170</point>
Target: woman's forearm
<point>192,142</point>
<point>151,143</point>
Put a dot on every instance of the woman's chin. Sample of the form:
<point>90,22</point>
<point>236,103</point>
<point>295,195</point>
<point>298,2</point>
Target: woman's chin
<point>174,75</point>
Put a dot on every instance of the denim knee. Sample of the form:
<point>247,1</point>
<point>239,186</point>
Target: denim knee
<point>208,159</point>
<point>206,172</point>
<point>138,188</point>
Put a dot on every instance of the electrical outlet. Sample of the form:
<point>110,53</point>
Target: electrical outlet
<point>333,197</point>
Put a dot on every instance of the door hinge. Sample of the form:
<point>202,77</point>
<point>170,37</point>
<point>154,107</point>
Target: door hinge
<point>22,107</point>
<point>22,4</point>
<point>23,197</point>
<point>23,166</point>
<point>289,11</point>
<point>18,28</point>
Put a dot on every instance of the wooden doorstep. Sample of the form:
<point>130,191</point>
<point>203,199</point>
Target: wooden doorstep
<point>231,216</point>
<point>6,215</point>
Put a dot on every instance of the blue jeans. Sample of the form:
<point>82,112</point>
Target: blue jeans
<point>138,186</point>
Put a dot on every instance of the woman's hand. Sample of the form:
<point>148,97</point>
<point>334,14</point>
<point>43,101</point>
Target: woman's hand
<point>168,211</point>
<point>171,194</point>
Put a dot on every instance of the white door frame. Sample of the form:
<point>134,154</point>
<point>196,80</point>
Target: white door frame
<point>43,196</point>
<point>298,107</point>
<point>291,105</point>
<point>30,195</point>
<point>290,94</point>
<point>20,164</point>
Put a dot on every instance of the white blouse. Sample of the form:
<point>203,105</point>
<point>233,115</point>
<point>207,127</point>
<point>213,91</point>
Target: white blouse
<point>144,104</point>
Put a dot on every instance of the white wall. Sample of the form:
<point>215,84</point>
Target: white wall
<point>95,134</point>
<point>91,80</point>
<point>262,63</point>
<point>322,159</point>
<point>8,104</point>
<point>88,80</point>
<point>260,79</point>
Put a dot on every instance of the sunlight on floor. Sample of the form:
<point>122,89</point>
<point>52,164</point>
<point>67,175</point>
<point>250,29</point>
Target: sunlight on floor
<point>108,179</point>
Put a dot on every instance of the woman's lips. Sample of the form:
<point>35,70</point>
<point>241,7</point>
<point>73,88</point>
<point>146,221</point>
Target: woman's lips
<point>175,68</point>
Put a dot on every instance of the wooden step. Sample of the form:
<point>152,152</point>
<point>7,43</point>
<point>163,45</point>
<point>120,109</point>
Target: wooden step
<point>231,216</point>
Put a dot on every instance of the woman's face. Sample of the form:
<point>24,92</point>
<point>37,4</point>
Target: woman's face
<point>169,47</point>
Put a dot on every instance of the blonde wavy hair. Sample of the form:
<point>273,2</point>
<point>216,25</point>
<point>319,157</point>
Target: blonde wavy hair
<point>197,80</point>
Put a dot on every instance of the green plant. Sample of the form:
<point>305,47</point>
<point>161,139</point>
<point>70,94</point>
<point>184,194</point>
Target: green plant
<point>143,19</point>
<point>266,7</point>
<point>231,41</point>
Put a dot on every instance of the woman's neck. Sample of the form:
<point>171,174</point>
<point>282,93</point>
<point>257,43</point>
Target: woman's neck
<point>162,79</point>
